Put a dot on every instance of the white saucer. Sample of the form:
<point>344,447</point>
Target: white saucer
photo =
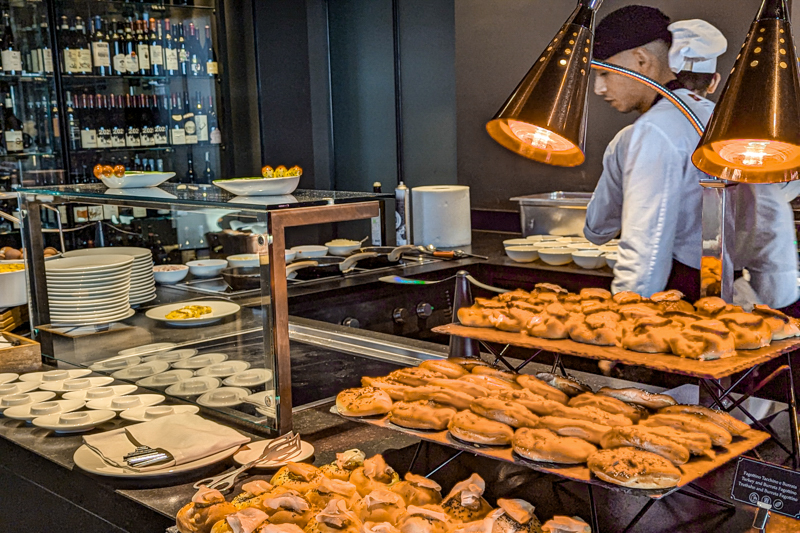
<point>16,400</point>
<point>148,348</point>
<point>73,422</point>
<point>54,375</point>
<point>8,378</point>
<point>252,450</point>
<point>172,356</point>
<point>93,321</point>
<point>116,363</point>
<point>193,387</point>
<point>249,378</point>
<point>141,371</point>
<point>121,403</point>
<point>261,399</point>
<point>165,379</point>
<point>20,387</point>
<point>34,410</point>
<point>223,397</point>
<point>199,361</point>
<point>77,384</point>
<point>100,392</point>
<point>224,369</point>
<point>145,414</point>
<point>89,461</point>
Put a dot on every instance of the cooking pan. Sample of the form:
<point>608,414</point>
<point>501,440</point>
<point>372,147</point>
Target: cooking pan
<point>323,267</point>
<point>385,255</point>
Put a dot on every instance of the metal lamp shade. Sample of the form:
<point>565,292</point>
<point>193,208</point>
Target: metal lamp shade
<point>754,133</point>
<point>544,119</point>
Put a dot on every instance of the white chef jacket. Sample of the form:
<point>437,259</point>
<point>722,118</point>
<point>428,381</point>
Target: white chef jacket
<point>648,165</point>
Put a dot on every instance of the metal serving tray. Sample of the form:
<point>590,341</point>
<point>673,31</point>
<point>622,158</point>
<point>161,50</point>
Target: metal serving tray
<point>553,213</point>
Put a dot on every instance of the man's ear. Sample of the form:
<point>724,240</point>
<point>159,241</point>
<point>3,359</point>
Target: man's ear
<point>714,83</point>
<point>643,58</point>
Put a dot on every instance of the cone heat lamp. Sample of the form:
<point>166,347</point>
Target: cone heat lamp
<point>544,119</point>
<point>754,133</point>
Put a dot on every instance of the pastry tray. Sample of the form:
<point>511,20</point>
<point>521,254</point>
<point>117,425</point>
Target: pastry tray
<point>696,468</point>
<point>714,369</point>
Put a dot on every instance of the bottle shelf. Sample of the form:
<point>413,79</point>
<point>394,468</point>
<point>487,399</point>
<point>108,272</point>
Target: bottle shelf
<point>157,6</point>
<point>94,78</point>
<point>170,148</point>
<point>24,155</point>
<point>29,78</point>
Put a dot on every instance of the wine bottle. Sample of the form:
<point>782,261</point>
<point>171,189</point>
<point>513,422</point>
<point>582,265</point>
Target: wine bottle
<point>200,119</point>
<point>183,53</point>
<point>84,51</point>
<point>148,126</point>
<point>162,122</point>
<point>69,52</point>
<point>118,126</point>
<point>44,53</point>
<point>73,123</point>
<point>156,50</point>
<point>142,48</point>
<point>214,135</point>
<point>189,125</point>
<point>196,65</point>
<point>177,133</point>
<point>12,129</point>
<point>131,59</point>
<point>212,68</point>
<point>119,57</point>
<point>171,63</point>
<point>55,118</point>
<point>102,124</point>
<point>191,177</point>
<point>10,55</point>
<point>88,131</point>
<point>133,136</point>
<point>101,52</point>
<point>208,173</point>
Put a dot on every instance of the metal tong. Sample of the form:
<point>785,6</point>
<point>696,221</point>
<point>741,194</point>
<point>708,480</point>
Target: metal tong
<point>278,449</point>
<point>450,254</point>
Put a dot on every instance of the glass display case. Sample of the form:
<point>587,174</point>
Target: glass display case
<point>98,310</point>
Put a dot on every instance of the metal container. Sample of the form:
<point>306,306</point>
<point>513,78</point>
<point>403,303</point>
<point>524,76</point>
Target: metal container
<point>553,213</point>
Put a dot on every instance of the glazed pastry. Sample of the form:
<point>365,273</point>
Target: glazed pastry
<point>300,477</point>
<point>393,388</point>
<point>609,405</point>
<point>538,405</point>
<point>474,317</point>
<point>469,427</point>
<point>781,325</point>
<point>639,437</point>
<point>711,306</point>
<point>286,508</point>
<point>568,385</point>
<point>569,427</point>
<point>667,296</point>
<point>245,521</point>
<point>514,516</point>
<point>421,415</point>
<point>490,382</point>
<point>424,519</point>
<point>449,369</point>
<point>638,397</point>
<point>703,340</point>
<point>507,412</point>
<point>208,506</point>
<point>380,506</point>
<point>344,465</point>
<point>546,390</point>
<point>375,474</point>
<point>634,468</point>
<point>364,401</point>
<point>440,395</point>
<point>565,524</point>
<point>514,296</point>
<point>595,294</point>
<point>593,414</point>
<point>545,445</point>
<point>649,334</point>
<point>721,418</point>
<point>249,493</point>
<point>414,376</point>
<point>468,362</point>
<point>335,518</point>
<point>550,287</point>
<point>500,374</point>
<point>749,332</point>
<point>696,443</point>
<point>418,490</point>
<point>476,391</point>
<point>599,329</point>
<point>330,489</point>
<point>626,298</point>
<point>636,311</point>
<point>465,503</point>
<point>691,424</point>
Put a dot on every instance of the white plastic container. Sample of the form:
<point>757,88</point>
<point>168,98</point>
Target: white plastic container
<point>13,290</point>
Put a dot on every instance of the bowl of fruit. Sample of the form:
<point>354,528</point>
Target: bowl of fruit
<point>273,182</point>
<point>118,178</point>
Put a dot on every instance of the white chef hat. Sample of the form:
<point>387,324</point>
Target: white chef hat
<point>696,45</point>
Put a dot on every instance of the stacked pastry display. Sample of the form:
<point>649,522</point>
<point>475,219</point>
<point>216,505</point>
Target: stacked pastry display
<point>628,437</point>
<point>663,323</point>
<point>358,495</point>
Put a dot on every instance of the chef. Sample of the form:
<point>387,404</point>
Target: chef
<point>649,192</point>
<point>696,45</point>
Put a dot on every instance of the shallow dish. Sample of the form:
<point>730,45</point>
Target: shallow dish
<point>87,460</point>
<point>145,414</point>
<point>310,250</point>
<point>54,375</point>
<point>516,242</point>
<point>253,450</point>
<point>249,378</point>
<point>30,411</point>
<point>8,377</point>
<point>100,392</point>
<point>243,260</point>
<point>342,248</point>
<point>73,422</point>
<point>137,180</point>
<point>224,369</point>
<point>21,387</point>
<point>223,397</point>
<point>289,255</point>
<point>522,254</point>
<point>556,256</point>
<point>611,259</point>
<point>165,379</point>
<point>259,186</point>
<point>206,268</point>
<point>115,363</point>
<point>142,371</point>
<point>206,359</point>
<point>17,400</point>
<point>589,259</point>
<point>193,387</point>
<point>77,384</point>
<point>219,310</point>
<point>121,403</point>
<point>148,349</point>
<point>168,277</point>
<point>172,356</point>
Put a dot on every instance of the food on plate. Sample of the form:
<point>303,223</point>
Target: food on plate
<point>208,506</point>
<point>329,489</point>
<point>379,527</point>
<point>469,427</point>
<point>570,427</point>
<point>245,520</point>
<point>537,386</point>
<point>636,396</point>
<point>418,490</point>
<point>465,502</point>
<point>169,268</point>
<point>565,524</point>
<point>344,464</point>
<point>380,505</point>
<point>414,376</point>
<point>250,492</point>
<point>393,388</point>
<point>546,446</point>
<point>514,516</point>
<point>566,384</point>
<point>11,267</point>
<point>441,395</point>
<point>295,171</point>
<point>692,424</point>
<point>609,405</point>
<point>107,171</point>
<point>375,474</point>
<point>721,418</point>
<point>335,518</point>
<point>643,439</point>
<point>280,172</point>
<point>703,340</point>
<point>267,171</point>
<point>300,477</point>
<point>749,331</point>
<point>421,414</point>
<point>286,507</point>
<point>508,412</point>
<point>363,401</point>
<point>189,311</point>
<point>424,519</point>
<point>634,468</point>
<point>443,366</point>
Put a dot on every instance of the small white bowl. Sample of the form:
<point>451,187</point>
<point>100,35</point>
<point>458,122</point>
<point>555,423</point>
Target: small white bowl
<point>207,268</point>
<point>168,277</point>
<point>608,248</point>
<point>549,244</point>
<point>556,256</point>
<point>342,249</point>
<point>572,239</point>
<point>516,242</point>
<point>541,238</point>
<point>522,254</point>
<point>243,260</point>
<point>611,259</point>
<point>589,259</point>
<point>289,255</point>
<point>311,250</point>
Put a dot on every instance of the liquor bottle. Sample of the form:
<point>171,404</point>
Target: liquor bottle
<point>101,52</point>
<point>43,52</point>
<point>162,121</point>
<point>156,50</point>
<point>131,59</point>
<point>84,51</point>
<point>177,133</point>
<point>148,125</point>
<point>149,165</point>
<point>102,122</point>
<point>212,68</point>
<point>69,52</point>
<point>214,135</point>
<point>137,163</point>
<point>88,131</point>
<point>133,136</point>
<point>73,123</point>
<point>11,56</point>
<point>193,44</point>
<point>12,128</point>
<point>171,64</point>
<point>191,177</point>
<point>183,53</point>
<point>189,125</point>
<point>142,48</point>
<point>200,119</point>
<point>54,114</point>
<point>117,122</point>
<point>208,173</point>
<point>119,58</point>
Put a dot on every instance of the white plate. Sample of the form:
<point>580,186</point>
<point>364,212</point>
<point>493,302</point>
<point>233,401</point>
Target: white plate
<point>89,461</point>
<point>141,371</point>
<point>206,359</point>
<point>88,314</point>
<point>223,397</point>
<point>145,192</point>
<point>69,305</point>
<point>90,279</point>
<point>172,356</point>
<point>20,387</point>
<point>100,392</point>
<point>87,294</point>
<point>219,310</point>
<point>144,301</point>
<point>16,400</point>
<point>224,369</point>
<point>8,378</point>
<point>137,253</point>
<point>89,284</point>
<point>121,403</point>
<point>148,348</point>
<point>165,379</point>
<point>137,180</point>
<point>54,375</point>
<point>92,322</point>
<point>73,422</point>
<point>193,387</point>
<point>94,264</point>
<point>77,384</point>
<point>253,450</point>
<point>34,410</point>
<point>249,378</point>
<point>259,186</point>
<point>146,414</point>
<point>116,363</point>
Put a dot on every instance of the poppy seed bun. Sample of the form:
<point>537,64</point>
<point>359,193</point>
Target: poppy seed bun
<point>692,424</point>
<point>568,427</point>
<point>609,405</point>
<point>545,445</point>
<point>364,401</point>
<point>537,386</point>
<point>721,418</point>
<point>469,427</point>
<point>634,468</point>
<point>449,397</point>
<point>414,376</point>
<point>207,508</point>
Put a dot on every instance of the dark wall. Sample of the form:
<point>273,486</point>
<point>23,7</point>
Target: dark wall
<point>496,44</point>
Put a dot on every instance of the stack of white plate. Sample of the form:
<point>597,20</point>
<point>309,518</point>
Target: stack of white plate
<point>143,282</point>
<point>89,290</point>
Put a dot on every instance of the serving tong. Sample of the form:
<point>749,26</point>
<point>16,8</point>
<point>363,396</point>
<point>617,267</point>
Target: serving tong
<point>277,450</point>
<point>144,455</point>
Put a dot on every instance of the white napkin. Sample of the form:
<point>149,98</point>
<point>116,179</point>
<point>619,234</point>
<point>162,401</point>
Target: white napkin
<point>187,437</point>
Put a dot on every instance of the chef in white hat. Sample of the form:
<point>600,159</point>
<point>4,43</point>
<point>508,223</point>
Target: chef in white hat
<point>696,45</point>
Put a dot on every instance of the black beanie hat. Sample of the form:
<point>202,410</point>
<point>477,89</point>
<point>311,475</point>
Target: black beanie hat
<point>630,27</point>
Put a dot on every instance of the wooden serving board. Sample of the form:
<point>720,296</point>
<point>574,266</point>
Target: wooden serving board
<point>696,468</point>
<point>714,369</point>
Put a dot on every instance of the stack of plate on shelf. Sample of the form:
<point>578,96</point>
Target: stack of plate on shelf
<point>89,290</point>
<point>143,282</point>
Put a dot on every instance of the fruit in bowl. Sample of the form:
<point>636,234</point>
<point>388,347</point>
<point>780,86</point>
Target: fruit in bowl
<point>107,171</point>
<point>281,171</point>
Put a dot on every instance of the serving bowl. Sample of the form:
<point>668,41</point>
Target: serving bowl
<point>259,186</point>
<point>135,180</point>
<point>342,247</point>
<point>168,277</point>
<point>556,256</point>
<point>308,251</point>
<point>522,254</point>
<point>243,260</point>
<point>542,238</point>
<point>207,268</point>
<point>589,259</point>
<point>516,242</point>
